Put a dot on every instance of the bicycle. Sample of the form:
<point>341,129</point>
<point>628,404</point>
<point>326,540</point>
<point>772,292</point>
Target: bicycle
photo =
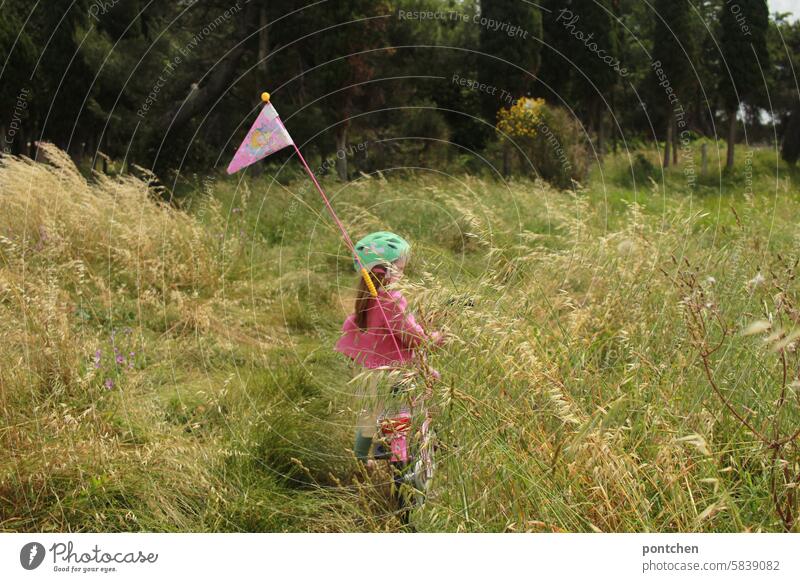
<point>410,451</point>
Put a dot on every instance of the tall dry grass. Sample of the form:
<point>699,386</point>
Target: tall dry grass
<point>575,395</point>
<point>128,370</point>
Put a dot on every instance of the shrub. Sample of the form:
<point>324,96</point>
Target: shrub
<point>790,151</point>
<point>548,141</point>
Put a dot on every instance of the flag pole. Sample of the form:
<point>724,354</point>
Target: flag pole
<point>364,273</point>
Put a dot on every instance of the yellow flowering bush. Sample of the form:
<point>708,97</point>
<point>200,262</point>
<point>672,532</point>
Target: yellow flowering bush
<point>521,119</point>
<point>542,141</point>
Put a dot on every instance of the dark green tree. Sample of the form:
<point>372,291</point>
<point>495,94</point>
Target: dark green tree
<point>790,150</point>
<point>460,104</point>
<point>783,43</point>
<point>674,52</point>
<point>16,89</point>
<point>510,38</point>
<point>592,41</point>
<point>345,57</point>
<point>556,73</point>
<point>743,43</point>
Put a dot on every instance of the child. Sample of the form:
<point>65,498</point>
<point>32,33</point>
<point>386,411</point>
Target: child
<point>381,334</point>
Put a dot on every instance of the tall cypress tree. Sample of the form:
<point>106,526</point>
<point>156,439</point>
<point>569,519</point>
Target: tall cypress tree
<point>594,48</point>
<point>354,44</point>
<point>555,73</point>
<point>743,42</point>
<point>517,41</point>
<point>790,150</point>
<point>674,49</point>
<point>16,90</point>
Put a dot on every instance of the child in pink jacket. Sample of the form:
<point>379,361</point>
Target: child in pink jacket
<point>381,334</point>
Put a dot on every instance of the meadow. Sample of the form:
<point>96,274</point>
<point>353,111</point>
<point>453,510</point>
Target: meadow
<point>620,357</point>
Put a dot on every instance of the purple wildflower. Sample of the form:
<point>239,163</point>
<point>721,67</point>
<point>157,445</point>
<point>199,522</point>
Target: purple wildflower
<point>97,355</point>
<point>120,359</point>
<point>109,383</point>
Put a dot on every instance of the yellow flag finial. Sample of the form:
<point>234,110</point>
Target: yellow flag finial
<point>265,97</point>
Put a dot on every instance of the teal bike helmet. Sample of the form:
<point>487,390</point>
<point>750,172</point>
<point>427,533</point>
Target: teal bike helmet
<point>380,248</point>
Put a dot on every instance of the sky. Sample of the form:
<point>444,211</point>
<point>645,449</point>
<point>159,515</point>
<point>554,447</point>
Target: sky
<point>792,6</point>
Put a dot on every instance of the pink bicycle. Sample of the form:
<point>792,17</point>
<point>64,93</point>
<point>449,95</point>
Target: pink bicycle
<point>410,448</point>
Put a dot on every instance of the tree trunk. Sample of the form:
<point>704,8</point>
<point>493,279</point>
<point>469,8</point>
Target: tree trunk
<point>506,162</point>
<point>341,151</point>
<point>263,46</point>
<point>675,145</point>
<point>25,145</point>
<point>601,132</point>
<point>703,159</point>
<point>731,137</point>
<point>668,143</point>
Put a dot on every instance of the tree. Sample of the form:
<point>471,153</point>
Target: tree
<point>593,42</point>
<point>15,89</point>
<point>344,57</point>
<point>790,151</point>
<point>674,50</point>
<point>510,40</point>
<point>515,44</point>
<point>743,43</point>
<point>216,78</point>
<point>783,43</point>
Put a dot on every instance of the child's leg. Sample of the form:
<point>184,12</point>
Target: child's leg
<point>362,446</point>
<point>370,406</point>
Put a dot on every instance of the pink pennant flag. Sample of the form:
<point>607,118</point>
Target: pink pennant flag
<point>265,137</point>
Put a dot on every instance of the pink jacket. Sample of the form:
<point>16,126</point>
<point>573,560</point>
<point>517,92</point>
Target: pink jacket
<point>377,345</point>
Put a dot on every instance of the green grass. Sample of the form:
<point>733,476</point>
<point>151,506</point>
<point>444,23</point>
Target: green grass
<point>572,396</point>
